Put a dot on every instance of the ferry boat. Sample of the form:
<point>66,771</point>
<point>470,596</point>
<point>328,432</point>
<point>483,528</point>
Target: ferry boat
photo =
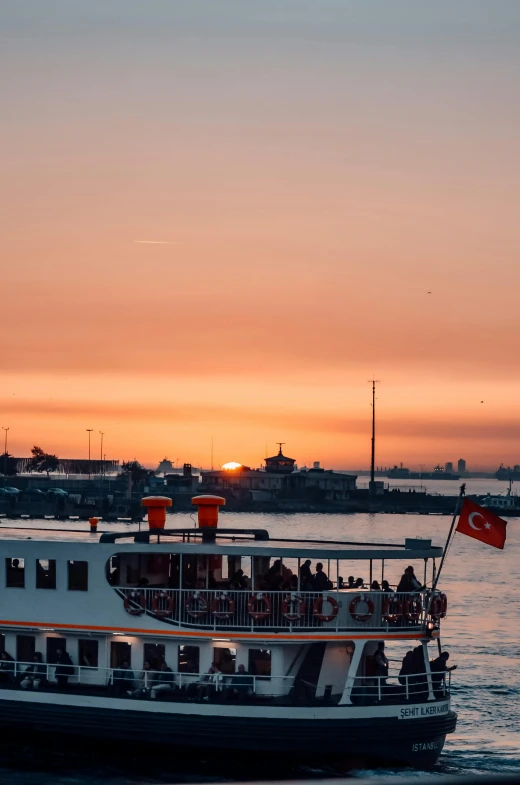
<point>168,642</point>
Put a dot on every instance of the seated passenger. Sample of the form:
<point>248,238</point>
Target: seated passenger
<point>241,685</point>
<point>210,683</point>
<point>6,667</point>
<point>274,577</point>
<point>165,681</point>
<point>35,673</point>
<point>321,581</point>
<point>375,586</point>
<point>123,678</point>
<point>143,682</point>
<point>385,586</point>
<point>359,583</point>
<point>351,583</point>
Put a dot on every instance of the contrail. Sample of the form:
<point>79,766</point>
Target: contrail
<point>156,242</point>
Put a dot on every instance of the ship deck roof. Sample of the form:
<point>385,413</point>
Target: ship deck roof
<point>227,543</point>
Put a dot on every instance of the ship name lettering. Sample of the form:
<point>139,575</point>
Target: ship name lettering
<point>421,746</point>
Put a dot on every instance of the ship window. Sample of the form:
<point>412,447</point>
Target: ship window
<point>119,652</point>
<point>78,575</point>
<point>260,662</point>
<point>15,573</point>
<point>25,647</point>
<point>88,653</point>
<point>53,644</point>
<point>225,659</point>
<point>45,573</point>
<point>189,659</point>
<point>154,654</point>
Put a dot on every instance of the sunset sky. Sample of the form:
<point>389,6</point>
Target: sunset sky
<point>332,192</point>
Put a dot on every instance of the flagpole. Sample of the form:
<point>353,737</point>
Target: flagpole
<point>462,493</point>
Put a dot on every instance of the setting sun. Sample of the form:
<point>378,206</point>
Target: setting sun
<point>231,465</point>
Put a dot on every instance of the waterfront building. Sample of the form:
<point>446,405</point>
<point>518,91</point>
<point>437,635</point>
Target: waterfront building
<point>461,466</point>
<point>448,467</point>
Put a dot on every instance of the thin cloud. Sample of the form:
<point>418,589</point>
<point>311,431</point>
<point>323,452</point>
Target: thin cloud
<point>156,242</point>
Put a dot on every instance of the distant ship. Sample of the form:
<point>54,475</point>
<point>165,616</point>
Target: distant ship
<point>508,473</point>
<point>402,473</point>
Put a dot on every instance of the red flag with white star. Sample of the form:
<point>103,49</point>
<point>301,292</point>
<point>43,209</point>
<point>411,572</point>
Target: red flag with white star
<point>483,525</point>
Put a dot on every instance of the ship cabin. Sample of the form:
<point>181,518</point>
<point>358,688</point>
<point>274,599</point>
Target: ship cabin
<point>227,615</point>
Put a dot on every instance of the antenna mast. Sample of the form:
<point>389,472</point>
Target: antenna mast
<point>373,382</point>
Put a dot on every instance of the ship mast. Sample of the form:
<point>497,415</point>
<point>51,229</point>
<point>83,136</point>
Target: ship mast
<point>373,457</point>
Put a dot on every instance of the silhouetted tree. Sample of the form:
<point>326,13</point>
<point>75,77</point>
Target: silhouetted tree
<point>8,465</point>
<point>137,472</point>
<point>42,461</point>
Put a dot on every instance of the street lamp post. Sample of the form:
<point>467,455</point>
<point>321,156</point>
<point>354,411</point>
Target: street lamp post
<point>5,454</point>
<point>89,431</point>
<point>101,453</point>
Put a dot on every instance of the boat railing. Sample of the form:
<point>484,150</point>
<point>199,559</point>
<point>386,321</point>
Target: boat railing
<point>396,687</point>
<point>139,683</point>
<point>342,610</point>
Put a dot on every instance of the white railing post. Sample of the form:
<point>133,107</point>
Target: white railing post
<point>379,688</point>
<point>407,688</point>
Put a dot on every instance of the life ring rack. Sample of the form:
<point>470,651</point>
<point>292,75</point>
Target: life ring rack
<point>293,607</point>
<point>137,598</point>
<point>355,602</point>
<point>259,606</point>
<point>196,606</point>
<point>439,607</point>
<point>216,606</point>
<point>317,608</point>
<point>392,608</point>
<point>413,608</point>
<point>157,610</point>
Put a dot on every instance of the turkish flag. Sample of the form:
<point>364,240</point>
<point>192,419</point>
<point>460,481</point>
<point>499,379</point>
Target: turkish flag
<point>477,522</point>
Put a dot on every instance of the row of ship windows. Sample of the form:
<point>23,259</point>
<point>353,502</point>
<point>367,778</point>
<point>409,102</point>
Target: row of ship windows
<point>77,574</point>
<point>188,657</point>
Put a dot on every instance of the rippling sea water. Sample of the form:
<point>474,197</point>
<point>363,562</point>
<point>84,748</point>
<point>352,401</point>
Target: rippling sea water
<point>481,632</point>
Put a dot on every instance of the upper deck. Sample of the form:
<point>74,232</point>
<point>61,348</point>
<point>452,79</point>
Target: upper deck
<point>181,581</point>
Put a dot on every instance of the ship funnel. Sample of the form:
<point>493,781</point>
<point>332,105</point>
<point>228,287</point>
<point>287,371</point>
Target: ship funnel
<point>156,508</point>
<point>207,509</point>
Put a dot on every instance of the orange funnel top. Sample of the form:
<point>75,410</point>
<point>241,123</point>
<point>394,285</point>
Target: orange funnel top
<point>208,510</point>
<point>156,507</point>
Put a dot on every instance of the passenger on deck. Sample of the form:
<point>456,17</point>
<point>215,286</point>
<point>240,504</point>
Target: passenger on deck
<point>293,583</point>
<point>359,583</point>
<point>165,682</point>
<point>406,667</point>
<point>351,583</point>
<point>6,667</point>
<point>64,668</point>
<point>321,581</point>
<point>385,586</point>
<point>375,586</point>
<point>238,580</point>
<point>274,577</point>
<point>306,572</point>
<point>438,667</point>
<point>409,582</point>
<point>35,673</point>
<point>123,678</point>
<point>341,582</point>
<point>381,663</point>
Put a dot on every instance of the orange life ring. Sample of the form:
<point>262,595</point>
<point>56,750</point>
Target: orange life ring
<point>196,606</point>
<point>136,597</point>
<point>355,602</point>
<point>293,607</point>
<point>257,600</point>
<point>444,606</point>
<point>392,609</point>
<point>318,607</point>
<point>162,595</point>
<point>216,606</point>
<point>413,608</point>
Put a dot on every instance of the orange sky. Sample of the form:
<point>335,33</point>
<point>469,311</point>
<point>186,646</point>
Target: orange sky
<point>312,174</point>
